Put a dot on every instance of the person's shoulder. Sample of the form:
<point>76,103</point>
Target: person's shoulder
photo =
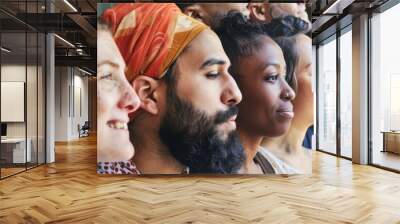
<point>280,166</point>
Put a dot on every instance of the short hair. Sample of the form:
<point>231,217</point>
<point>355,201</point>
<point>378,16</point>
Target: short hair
<point>170,76</point>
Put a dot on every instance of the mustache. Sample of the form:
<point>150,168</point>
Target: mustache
<point>224,116</point>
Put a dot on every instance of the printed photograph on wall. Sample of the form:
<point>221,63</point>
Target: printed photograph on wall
<point>204,88</point>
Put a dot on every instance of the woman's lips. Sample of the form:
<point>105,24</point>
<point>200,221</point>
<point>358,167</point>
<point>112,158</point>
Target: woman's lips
<point>286,111</point>
<point>116,124</point>
<point>286,114</point>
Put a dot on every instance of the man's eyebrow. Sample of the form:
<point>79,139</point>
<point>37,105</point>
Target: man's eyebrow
<point>212,61</point>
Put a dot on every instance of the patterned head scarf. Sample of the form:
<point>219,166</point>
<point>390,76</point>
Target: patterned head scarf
<point>150,36</point>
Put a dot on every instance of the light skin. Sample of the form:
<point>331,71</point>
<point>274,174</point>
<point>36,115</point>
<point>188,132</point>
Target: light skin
<point>289,146</point>
<point>210,13</point>
<point>203,80</point>
<point>266,108</point>
<point>115,101</point>
<point>267,11</point>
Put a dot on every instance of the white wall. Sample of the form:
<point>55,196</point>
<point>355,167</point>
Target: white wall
<point>15,72</point>
<point>71,94</point>
<point>62,82</point>
<point>80,102</point>
<point>11,73</point>
<point>33,127</point>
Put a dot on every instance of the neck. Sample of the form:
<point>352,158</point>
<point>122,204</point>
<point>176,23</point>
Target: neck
<point>290,142</point>
<point>152,156</point>
<point>250,144</point>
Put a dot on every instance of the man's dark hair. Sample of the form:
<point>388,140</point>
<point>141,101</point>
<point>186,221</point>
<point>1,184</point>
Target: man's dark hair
<point>241,38</point>
<point>170,76</point>
<point>183,6</point>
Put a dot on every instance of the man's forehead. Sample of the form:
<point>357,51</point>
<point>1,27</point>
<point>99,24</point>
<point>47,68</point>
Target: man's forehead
<point>202,60</point>
<point>206,45</point>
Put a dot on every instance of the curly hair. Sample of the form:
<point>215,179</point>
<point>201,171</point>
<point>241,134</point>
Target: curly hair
<point>241,38</point>
<point>284,31</point>
<point>287,26</point>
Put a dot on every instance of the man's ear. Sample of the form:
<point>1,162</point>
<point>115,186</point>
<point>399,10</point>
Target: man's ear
<point>145,88</point>
<point>194,11</point>
<point>257,12</point>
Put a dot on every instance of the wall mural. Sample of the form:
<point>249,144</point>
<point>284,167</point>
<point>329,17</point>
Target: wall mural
<point>204,88</point>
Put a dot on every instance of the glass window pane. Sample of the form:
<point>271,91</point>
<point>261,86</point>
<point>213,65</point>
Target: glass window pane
<point>385,86</point>
<point>327,97</point>
<point>31,97</point>
<point>14,153</point>
<point>346,94</point>
<point>23,85</point>
<point>41,98</point>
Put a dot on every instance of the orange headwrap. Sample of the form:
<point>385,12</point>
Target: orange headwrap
<point>150,36</point>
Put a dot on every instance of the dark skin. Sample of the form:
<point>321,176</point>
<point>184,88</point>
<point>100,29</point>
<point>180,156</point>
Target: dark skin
<point>266,108</point>
<point>288,147</point>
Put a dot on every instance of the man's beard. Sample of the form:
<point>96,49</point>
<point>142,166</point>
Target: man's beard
<point>193,140</point>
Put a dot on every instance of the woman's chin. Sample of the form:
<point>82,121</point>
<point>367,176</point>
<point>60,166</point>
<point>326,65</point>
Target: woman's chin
<point>280,130</point>
<point>116,145</point>
<point>118,153</point>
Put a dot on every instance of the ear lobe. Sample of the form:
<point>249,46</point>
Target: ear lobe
<point>145,87</point>
<point>257,12</point>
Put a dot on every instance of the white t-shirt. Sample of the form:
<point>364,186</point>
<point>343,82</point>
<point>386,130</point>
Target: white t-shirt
<point>279,166</point>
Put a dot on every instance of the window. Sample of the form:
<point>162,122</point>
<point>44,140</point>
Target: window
<point>327,96</point>
<point>22,66</point>
<point>385,89</point>
<point>346,93</point>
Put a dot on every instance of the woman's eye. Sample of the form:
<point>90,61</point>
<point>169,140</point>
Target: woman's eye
<point>272,78</point>
<point>107,76</point>
<point>212,75</point>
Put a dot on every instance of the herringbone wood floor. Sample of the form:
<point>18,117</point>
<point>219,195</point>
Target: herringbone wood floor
<point>70,191</point>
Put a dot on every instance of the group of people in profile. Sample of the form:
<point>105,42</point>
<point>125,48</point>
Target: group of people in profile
<point>204,88</point>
